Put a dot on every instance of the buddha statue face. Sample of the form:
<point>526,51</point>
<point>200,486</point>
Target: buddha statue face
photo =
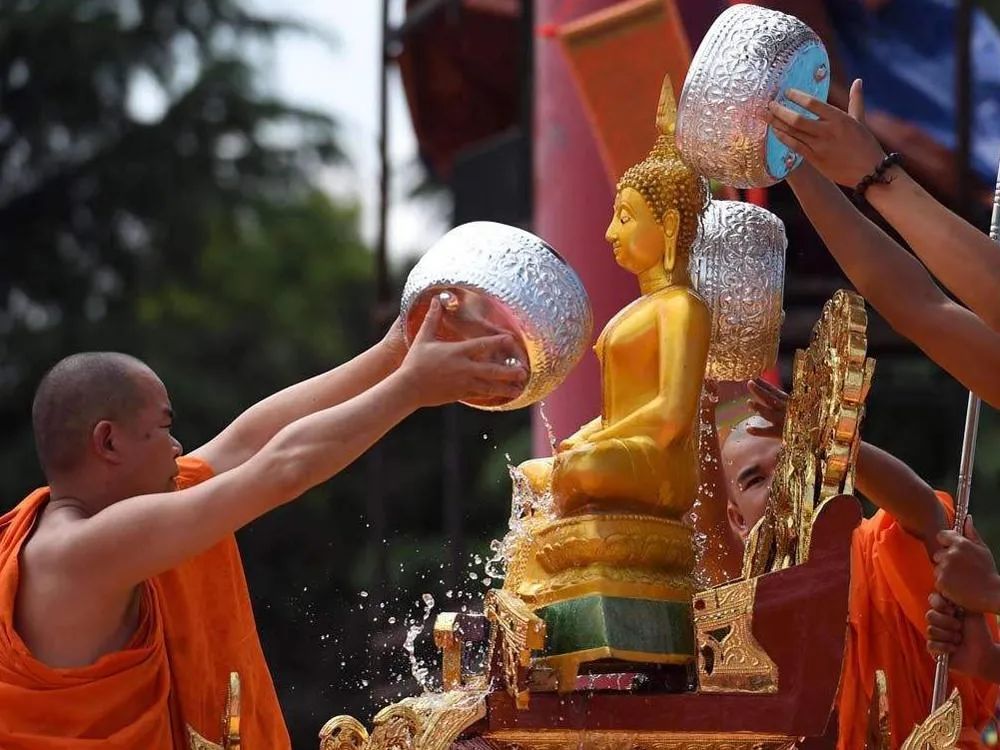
<point>639,239</point>
<point>658,205</point>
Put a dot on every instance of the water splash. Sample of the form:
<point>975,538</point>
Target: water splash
<point>549,432</point>
<point>525,504</point>
<point>418,669</point>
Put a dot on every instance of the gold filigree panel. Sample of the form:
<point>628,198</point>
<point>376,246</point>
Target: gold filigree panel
<point>821,435</point>
<point>429,722</point>
<point>730,660</point>
<point>941,730</point>
<point>516,632</point>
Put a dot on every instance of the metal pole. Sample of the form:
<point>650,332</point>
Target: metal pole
<point>965,471</point>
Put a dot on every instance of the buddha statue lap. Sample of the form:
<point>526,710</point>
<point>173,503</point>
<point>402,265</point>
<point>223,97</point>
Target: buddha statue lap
<point>623,482</point>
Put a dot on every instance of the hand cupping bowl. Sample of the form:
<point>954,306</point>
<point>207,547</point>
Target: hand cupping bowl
<point>738,268</point>
<point>496,278</point>
<point>749,57</point>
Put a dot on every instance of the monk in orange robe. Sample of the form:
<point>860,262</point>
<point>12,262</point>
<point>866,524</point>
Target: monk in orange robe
<point>891,577</point>
<point>123,605</point>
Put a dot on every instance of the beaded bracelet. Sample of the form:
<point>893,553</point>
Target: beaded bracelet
<point>877,176</point>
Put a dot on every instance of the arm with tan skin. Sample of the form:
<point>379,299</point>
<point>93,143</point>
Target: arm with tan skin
<point>250,431</point>
<point>840,147</point>
<point>899,287</point>
<point>137,538</point>
<point>881,477</point>
<point>684,325</point>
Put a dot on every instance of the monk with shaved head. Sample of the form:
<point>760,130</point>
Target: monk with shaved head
<point>123,606</point>
<point>891,576</point>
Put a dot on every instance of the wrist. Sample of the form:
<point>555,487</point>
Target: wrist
<point>404,382</point>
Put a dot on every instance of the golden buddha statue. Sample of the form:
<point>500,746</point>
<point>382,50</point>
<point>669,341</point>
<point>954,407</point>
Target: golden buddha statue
<point>610,574</point>
<point>641,454</point>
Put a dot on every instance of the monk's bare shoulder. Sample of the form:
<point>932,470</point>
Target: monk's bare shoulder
<point>64,621</point>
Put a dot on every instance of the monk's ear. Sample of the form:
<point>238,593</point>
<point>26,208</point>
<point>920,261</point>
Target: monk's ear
<point>736,520</point>
<point>104,441</point>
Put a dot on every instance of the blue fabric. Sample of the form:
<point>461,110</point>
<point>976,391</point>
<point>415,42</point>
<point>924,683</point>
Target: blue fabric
<point>905,53</point>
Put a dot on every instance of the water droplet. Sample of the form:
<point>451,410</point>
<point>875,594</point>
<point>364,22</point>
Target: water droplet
<point>364,594</point>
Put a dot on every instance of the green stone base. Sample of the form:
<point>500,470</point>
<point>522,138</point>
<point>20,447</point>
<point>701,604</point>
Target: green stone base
<point>629,629</point>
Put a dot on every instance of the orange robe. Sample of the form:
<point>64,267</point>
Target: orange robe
<point>195,627</point>
<point>891,580</point>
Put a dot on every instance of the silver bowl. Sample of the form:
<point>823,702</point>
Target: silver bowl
<point>738,268</point>
<point>497,278</point>
<point>749,57</point>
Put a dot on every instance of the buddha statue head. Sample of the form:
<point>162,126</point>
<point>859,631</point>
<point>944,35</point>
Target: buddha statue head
<point>658,205</point>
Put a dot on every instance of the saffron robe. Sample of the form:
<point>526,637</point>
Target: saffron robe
<point>195,626</point>
<point>891,580</point>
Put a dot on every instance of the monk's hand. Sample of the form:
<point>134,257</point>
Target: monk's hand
<point>965,572</point>
<point>965,637</point>
<point>769,402</point>
<point>440,372</point>
<point>837,143</point>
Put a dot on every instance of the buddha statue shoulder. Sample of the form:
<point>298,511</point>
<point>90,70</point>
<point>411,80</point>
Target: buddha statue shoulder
<point>641,454</point>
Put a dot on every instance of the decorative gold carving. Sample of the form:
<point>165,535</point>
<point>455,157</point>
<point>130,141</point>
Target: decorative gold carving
<point>451,650</point>
<point>624,740</point>
<point>879,733</point>
<point>623,541</point>
<point>428,722</point>
<point>730,660</point>
<point>517,631</point>
<point>941,729</point>
<point>343,733</point>
<point>230,722</point>
<point>821,435</point>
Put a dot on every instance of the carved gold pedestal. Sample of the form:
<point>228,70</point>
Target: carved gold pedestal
<point>607,587</point>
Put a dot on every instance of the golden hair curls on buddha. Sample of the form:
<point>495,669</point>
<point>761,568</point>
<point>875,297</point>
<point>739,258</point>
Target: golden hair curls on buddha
<point>641,454</point>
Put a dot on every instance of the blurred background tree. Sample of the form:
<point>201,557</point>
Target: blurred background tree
<point>156,199</point>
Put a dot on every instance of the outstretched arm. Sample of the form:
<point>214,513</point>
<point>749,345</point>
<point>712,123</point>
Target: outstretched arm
<point>137,538</point>
<point>840,146</point>
<point>899,287</point>
<point>881,477</point>
<point>249,432</point>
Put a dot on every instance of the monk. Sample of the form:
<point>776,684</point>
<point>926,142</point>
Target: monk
<point>891,576</point>
<point>838,148</point>
<point>123,605</point>
<point>966,576</point>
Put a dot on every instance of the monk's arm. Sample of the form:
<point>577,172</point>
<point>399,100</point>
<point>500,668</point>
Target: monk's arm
<point>261,422</point>
<point>899,491</point>
<point>962,257</point>
<point>141,537</point>
<point>899,287</point>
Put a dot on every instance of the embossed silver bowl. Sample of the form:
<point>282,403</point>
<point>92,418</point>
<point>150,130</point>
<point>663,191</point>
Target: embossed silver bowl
<point>749,57</point>
<point>497,278</point>
<point>738,268</point>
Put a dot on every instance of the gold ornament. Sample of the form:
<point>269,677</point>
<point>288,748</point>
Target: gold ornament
<point>730,660</point>
<point>941,729</point>
<point>820,438</point>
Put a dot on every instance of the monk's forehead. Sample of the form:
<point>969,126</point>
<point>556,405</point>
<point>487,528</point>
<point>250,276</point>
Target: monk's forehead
<point>741,448</point>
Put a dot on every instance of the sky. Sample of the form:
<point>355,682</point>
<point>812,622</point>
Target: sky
<point>343,80</point>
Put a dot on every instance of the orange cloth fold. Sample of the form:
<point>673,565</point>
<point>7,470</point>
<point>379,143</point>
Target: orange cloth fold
<point>891,580</point>
<point>196,626</point>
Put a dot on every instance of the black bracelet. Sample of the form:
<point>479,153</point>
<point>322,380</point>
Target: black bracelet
<point>877,176</point>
